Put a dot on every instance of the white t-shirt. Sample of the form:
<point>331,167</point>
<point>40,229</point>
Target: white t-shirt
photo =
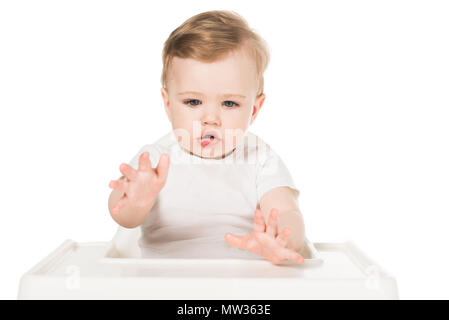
<point>204,198</point>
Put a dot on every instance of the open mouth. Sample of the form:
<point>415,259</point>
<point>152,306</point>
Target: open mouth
<point>208,139</point>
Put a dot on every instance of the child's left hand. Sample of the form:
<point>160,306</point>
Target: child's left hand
<point>265,242</point>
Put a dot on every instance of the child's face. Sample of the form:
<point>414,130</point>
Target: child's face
<point>191,114</point>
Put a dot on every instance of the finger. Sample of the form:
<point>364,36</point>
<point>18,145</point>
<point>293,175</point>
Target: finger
<point>272,222</point>
<point>128,171</point>
<point>282,238</point>
<point>162,167</point>
<point>237,241</point>
<point>123,202</point>
<point>259,222</point>
<point>144,161</point>
<point>120,185</point>
<point>292,255</point>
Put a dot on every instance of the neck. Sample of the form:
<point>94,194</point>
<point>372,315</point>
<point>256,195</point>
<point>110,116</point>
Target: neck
<point>216,158</point>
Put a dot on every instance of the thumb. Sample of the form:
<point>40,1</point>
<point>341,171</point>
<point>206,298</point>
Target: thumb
<point>163,166</point>
<point>236,241</point>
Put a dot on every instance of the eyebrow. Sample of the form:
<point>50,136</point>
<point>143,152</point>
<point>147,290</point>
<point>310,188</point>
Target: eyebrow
<point>223,95</point>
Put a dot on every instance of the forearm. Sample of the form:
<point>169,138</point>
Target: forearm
<point>129,216</point>
<point>294,220</point>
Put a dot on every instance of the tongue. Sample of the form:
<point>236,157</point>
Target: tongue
<point>205,142</point>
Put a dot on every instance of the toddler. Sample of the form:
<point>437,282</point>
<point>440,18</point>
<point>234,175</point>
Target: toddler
<point>210,188</point>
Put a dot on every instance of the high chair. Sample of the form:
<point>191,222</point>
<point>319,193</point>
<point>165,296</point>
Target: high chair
<point>115,270</point>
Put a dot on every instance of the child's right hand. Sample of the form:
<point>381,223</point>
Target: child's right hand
<point>141,187</point>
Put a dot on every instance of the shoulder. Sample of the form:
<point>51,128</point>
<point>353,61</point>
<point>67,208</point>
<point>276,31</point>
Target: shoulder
<point>259,149</point>
<point>155,149</point>
<point>166,142</point>
<point>162,144</point>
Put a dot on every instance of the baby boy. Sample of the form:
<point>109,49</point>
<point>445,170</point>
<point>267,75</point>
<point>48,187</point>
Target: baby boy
<point>210,188</point>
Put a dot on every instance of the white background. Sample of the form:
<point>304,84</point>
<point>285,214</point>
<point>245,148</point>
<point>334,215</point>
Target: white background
<point>357,107</point>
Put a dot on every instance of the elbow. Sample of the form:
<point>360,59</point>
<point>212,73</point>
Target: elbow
<point>130,225</point>
<point>127,223</point>
<point>299,245</point>
<point>297,237</point>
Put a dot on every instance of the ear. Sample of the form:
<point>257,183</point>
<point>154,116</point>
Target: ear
<point>164,94</point>
<point>257,106</point>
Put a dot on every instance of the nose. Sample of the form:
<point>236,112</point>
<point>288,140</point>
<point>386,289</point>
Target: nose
<point>211,116</point>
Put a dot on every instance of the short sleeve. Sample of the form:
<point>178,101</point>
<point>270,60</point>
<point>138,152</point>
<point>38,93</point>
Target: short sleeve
<point>154,156</point>
<point>272,173</point>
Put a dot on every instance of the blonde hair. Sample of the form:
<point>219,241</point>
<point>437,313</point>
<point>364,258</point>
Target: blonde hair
<point>210,36</point>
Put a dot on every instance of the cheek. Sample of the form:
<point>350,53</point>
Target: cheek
<point>237,119</point>
<point>182,116</point>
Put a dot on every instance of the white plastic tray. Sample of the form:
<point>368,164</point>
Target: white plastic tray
<point>95,271</point>
<point>115,256</point>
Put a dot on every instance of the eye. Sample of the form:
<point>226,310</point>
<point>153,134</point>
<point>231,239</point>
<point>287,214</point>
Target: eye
<point>196,102</point>
<point>236,104</point>
<point>191,100</point>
